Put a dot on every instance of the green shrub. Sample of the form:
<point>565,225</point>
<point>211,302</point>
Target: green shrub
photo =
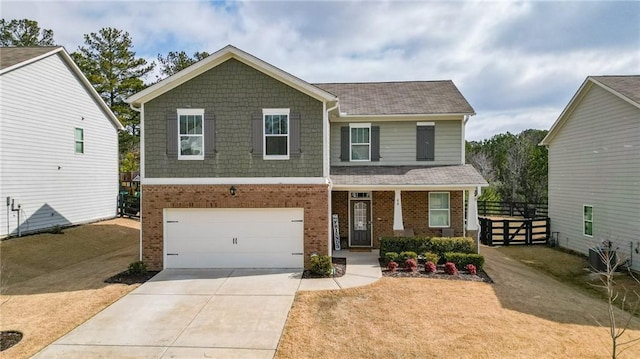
<point>390,257</point>
<point>462,259</point>
<point>321,265</point>
<point>408,255</point>
<point>430,257</point>
<point>402,244</point>
<point>439,246</point>
<point>453,244</point>
<point>138,268</point>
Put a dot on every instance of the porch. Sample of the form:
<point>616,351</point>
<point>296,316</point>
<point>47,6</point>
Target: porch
<point>372,202</point>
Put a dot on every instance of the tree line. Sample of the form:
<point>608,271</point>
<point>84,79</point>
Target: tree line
<point>110,64</point>
<point>514,165</point>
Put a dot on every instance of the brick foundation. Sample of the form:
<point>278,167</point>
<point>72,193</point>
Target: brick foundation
<point>313,198</point>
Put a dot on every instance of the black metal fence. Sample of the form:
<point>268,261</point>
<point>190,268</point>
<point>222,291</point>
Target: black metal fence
<point>513,209</point>
<point>505,232</point>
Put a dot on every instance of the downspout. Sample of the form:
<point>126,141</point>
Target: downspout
<point>327,131</point>
<point>138,109</point>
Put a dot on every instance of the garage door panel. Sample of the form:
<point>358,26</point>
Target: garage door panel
<point>234,238</point>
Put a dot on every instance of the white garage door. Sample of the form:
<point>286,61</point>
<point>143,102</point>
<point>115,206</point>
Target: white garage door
<point>233,238</point>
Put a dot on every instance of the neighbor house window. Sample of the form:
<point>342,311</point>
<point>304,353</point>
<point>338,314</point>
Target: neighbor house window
<point>276,134</point>
<point>587,219</point>
<point>190,134</point>
<point>79,137</point>
<point>360,141</point>
<point>439,209</point>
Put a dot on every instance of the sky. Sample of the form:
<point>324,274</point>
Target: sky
<point>517,63</point>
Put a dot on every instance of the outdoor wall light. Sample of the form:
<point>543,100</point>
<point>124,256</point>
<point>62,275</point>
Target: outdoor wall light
<point>232,191</point>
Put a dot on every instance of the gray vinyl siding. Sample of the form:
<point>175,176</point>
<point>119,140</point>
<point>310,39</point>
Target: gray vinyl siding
<point>595,160</point>
<point>398,144</point>
<point>41,104</point>
<point>234,92</point>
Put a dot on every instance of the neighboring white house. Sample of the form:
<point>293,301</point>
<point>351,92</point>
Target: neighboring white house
<point>594,167</point>
<point>58,143</point>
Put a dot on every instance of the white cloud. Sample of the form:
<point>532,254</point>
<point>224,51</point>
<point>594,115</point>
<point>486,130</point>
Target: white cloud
<point>493,51</point>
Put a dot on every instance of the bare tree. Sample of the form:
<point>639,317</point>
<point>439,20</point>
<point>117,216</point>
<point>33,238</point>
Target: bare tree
<point>618,321</point>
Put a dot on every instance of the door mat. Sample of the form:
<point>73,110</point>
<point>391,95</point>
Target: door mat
<point>359,249</point>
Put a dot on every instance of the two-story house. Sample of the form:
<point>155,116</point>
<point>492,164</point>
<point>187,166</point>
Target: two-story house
<point>244,164</point>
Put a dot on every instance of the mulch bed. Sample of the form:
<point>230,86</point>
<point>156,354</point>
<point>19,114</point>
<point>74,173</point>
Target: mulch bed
<point>480,276</point>
<point>339,265</point>
<point>129,278</point>
<point>9,338</point>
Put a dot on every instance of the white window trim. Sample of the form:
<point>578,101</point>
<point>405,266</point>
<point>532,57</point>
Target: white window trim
<point>75,141</point>
<point>438,209</point>
<point>359,125</point>
<point>275,111</point>
<point>584,220</point>
<point>191,112</point>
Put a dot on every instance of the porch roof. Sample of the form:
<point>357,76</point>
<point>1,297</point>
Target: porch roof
<point>406,176</point>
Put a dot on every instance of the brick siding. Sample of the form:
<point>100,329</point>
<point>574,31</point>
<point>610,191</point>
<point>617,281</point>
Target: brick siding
<point>415,213</point>
<point>313,198</point>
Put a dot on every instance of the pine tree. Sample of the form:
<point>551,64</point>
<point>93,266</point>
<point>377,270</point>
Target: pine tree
<point>110,64</point>
<point>23,33</point>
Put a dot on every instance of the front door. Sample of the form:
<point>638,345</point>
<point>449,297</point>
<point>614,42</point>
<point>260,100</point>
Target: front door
<point>360,223</point>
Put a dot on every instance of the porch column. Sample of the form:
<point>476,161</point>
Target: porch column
<point>472,218</point>
<point>398,225</point>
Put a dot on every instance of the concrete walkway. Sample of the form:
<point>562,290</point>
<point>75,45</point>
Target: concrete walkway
<point>212,313</point>
<point>362,269</point>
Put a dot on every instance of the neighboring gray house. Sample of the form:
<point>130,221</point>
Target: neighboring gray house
<point>244,164</point>
<point>58,143</point>
<point>594,167</point>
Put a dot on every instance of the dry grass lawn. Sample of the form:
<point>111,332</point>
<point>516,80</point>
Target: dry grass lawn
<point>524,314</point>
<point>573,270</point>
<point>51,283</point>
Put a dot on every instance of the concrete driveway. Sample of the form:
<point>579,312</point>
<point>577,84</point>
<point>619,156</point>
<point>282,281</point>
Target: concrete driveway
<point>212,313</point>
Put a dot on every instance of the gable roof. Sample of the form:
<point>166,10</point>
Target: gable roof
<point>13,58</point>
<point>10,56</point>
<point>215,59</point>
<point>625,87</point>
<point>399,98</point>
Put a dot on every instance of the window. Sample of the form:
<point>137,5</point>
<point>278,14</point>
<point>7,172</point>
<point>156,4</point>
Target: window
<point>79,138</point>
<point>276,134</point>
<point>439,209</point>
<point>587,219</point>
<point>190,134</point>
<point>360,141</point>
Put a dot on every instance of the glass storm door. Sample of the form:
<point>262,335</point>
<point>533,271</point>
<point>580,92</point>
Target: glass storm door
<point>360,223</point>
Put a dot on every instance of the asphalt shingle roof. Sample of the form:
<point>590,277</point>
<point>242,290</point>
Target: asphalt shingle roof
<point>406,175</point>
<point>399,98</point>
<point>628,86</point>
<point>10,56</point>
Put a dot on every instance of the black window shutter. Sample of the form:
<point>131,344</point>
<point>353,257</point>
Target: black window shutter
<point>209,134</point>
<point>295,144</point>
<point>375,143</point>
<point>256,134</point>
<point>172,135</point>
<point>344,143</point>
<point>425,143</point>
